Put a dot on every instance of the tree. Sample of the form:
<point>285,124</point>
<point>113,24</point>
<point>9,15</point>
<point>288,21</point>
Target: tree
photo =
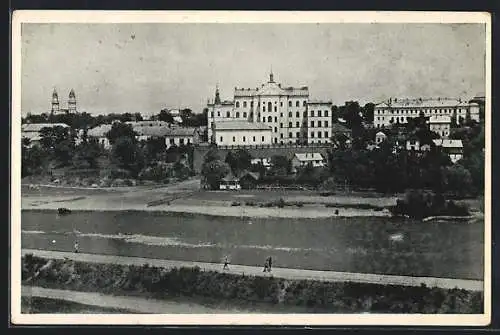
<point>280,165</point>
<point>457,180</point>
<point>86,154</point>
<point>239,160</point>
<point>32,158</point>
<point>126,154</point>
<point>154,147</point>
<point>165,116</point>
<point>368,112</point>
<point>213,171</point>
<point>119,130</point>
<point>59,143</point>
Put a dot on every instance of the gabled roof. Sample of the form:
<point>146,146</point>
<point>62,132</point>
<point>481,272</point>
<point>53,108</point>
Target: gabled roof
<point>307,157</point>
<point>230,177</point>
<point>254,175</point>
<point>99,131</point>
<point>446,143</point>
<point>380,133</point>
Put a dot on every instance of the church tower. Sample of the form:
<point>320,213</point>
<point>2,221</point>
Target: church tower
<point>55,102</point>
<point>72,102</point>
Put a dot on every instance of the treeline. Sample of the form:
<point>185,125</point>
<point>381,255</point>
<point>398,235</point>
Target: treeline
<point>88,121</point>
<point>127,158</point>
<point>334,297</point>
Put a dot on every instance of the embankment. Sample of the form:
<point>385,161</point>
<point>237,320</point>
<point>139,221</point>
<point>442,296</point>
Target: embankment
<point>160,283</point>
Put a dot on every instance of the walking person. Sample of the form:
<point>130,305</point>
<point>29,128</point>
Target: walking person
<point>270,262</point>
<point>266,265</point>
<point>226,264</point>
<point>76,247</point>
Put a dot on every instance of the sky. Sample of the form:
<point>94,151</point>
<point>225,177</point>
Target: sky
<point>145,67</point>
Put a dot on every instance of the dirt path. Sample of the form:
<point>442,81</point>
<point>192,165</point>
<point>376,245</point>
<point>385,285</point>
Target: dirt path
<point>285,273</point>
<point>132,304</point>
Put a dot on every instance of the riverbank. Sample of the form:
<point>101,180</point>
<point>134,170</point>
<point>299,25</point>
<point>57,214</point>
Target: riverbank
<point>161,282</point>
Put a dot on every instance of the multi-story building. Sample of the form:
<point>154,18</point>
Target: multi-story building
<point>286,111</point>
<point>399,111</point>
<point>71,107</point>
<point>440,125</point>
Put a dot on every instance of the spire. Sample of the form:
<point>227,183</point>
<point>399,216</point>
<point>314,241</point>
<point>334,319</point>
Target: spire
<point>55,102</point>
<point>72,102</point>
<point>271,76</point>
<point>217,96</point>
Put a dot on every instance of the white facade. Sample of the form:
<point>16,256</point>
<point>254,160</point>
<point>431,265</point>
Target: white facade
<point>302,159</point>
<point>454,148</point>
<point>440,125</point>
<point>400,110</point>
<point>241,133</point>
<point>380,137</point>
<point>285,110</point>
<point>99,133</point>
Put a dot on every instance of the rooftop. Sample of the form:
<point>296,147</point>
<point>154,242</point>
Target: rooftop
<point>439,119</point>
<point>314,156</point>
<point>448,143</point>
<point>29,127</point>
<point>424,103</point>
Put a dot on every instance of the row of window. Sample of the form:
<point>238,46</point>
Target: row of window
<point>181,141</point>
<point>417,111</point>
<point>269,104</point>
<point>319,124</point>
<point>290,135</point>
<point>290,114</point>
<point>243,138</point>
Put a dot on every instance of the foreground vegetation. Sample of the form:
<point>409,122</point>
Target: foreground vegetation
<point>192,282</point>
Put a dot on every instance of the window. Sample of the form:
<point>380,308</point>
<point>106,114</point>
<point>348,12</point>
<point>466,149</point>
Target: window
<point>254,138</point>
<point>297,134</point>
<point>297,124</point>
<point>290,135</point>
<point>281,103</point>
<point>289,104</point>
<point>275,119</point>
<point>304,114</point>
<point>237,114</point>
<point>319,123</point>
<point>262,138</point>
<point>234,139</point>
<point>281,135</point>
<point>244,104</point>
<point>319,134</point>
<point>290,125</point>
<point>263,108</point>
<point>269,106</point>
<point>228,114</point>
<point>275,129</point>
<point>312,134</point>
<point>275,140</point>
<point>312,114</point>
<point>173,142</point>
<point>244,139</point>
<point>289,114</point>
<point>281,114</point>
<point>297,103</point>
<point>326,134</point>
<point>211,114</point>
<point>275,108</point>
<point>251,103</point>
<point>281,125</point>
<point>326,123</point>
<point>312,124</point>
<point>245,114</point>
<point>237,104</point>
<point>269,119</point>
<point>297,114</point>
<point>264,119</point>
<point>218,113</point>
<point>258,115</point>
<point>220,139</point>
<point>304,103</point>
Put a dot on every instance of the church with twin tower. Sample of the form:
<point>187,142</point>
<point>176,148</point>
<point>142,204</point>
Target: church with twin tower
<point>71,106</point>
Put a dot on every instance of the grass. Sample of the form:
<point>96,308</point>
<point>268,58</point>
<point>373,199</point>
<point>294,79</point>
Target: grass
<point>38,305</point>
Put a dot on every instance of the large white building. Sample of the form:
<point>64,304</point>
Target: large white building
<point>400,110</point>
<point>286,111</point>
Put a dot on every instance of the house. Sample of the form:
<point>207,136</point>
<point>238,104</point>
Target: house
<point>266,162</point>
<point>454,148</point>
<point>230,183</point>
<point>302,159</point>
<point>413,143</point>
<point>248,179</point>
<point>380,137</point>
<point>99,133</point>
<point>440,124</point>
<point>32,131</point>
<point>181,136</point>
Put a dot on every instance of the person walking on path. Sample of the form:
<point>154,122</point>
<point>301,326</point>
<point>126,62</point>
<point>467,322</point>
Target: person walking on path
<point>76,247</point>
<point>266,265</point>
<point>270,263</point>
<point>226,264</point>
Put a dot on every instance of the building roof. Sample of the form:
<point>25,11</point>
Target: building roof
<point>380,133</point>
<point>240,125</point>
<point>32,136</point>
<point>251,174</point>
<point>319,102</point>
<point>99,131</point>
<point>446,143</point>
<point>147,123</point>
<point>423,103</point>
<point>439,119</point>
<point>307,157</point>
<point>230,177</point>
<point>36,127</point>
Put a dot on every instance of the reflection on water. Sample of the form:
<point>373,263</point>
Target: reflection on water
<point>362,244</point>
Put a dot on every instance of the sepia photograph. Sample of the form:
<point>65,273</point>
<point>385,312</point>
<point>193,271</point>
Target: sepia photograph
<point>242,168</point>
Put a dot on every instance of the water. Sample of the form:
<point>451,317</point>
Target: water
<point>356,244</point>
